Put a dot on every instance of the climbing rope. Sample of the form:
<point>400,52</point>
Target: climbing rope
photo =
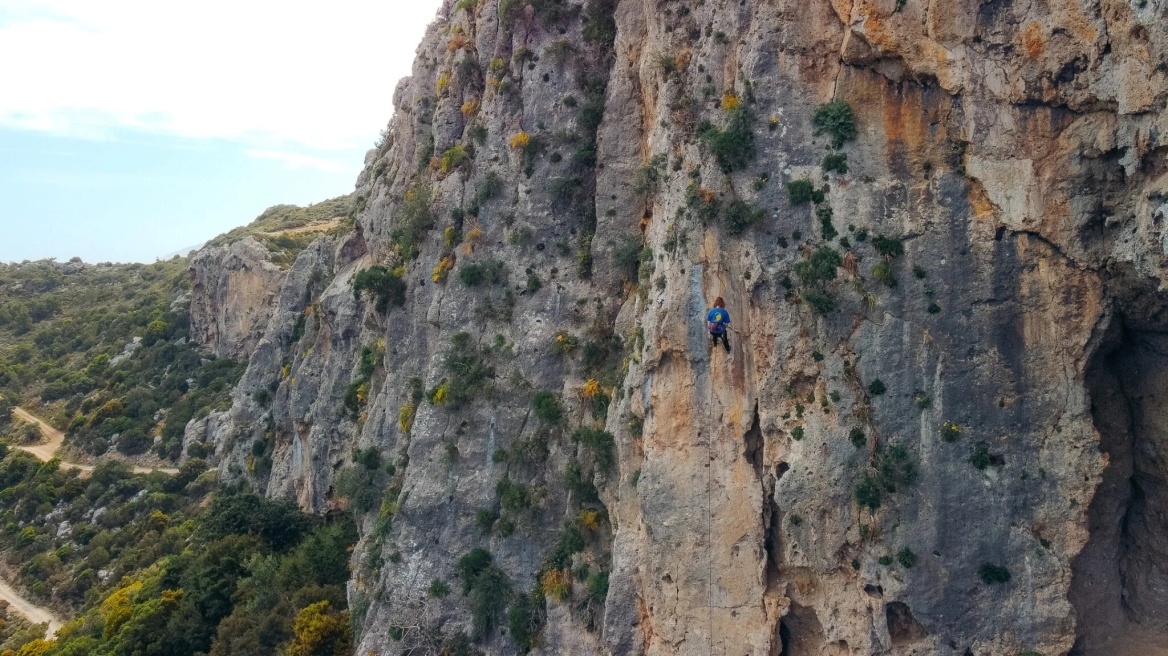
<point>710,542</point>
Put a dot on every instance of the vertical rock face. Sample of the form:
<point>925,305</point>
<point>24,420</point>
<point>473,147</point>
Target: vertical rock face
<point>233,291</point>
<point>936,432</point>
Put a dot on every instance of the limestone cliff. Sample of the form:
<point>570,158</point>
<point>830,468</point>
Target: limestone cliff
<point>233,289</point>
<point>939,227</point>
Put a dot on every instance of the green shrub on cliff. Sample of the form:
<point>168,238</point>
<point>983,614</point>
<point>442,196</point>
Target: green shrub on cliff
<point>384,285</point>
<point>733,146</point>
<point>836,119</point>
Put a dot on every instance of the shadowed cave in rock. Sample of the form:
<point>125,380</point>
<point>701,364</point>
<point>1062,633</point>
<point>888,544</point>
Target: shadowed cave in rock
<point>1120,585</point>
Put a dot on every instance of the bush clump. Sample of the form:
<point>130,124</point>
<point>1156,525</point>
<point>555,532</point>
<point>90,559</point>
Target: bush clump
<point>836,119</point>
<point>489,188</point>
<point>906,558</point>
<point>888,247</point>
<point>414,220</point>
<point>740,215</point>
<point>384,285</point>
<point>733,146</point>
<point>600,444</point>
<point>992,574</point>
<point>547,407</point>
<point>835,162</point>
<point>491,272</point>
<point>894,469</point>
<point>821,267</point>
<point>800,191</point>
<point>820,301</point>
<point>488,589</point>
<point>470,375</point>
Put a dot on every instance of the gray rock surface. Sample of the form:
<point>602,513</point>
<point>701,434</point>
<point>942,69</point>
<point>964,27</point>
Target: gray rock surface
<point>1010,355</point>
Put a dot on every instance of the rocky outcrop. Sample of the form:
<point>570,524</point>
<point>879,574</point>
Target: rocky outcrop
<point>936,430</point>
<point>233,289</point>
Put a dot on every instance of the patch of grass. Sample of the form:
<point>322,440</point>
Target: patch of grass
<point>414,219</point>
<point>525,620</point>
<point>438,589</point>
<point>455,157</point>
<point>894,469</point>
<point>836,119</point>
<point>981,458</point>
<point>470,376</point>
<point>485,518</point>
<point>628,255</point>
<point>648,177</point>
<point>564,188</point>
<point>513,497</point>
<point>488,589</point>
<point>883,272</point>
<point>950,431</point>
<point>565,342</point>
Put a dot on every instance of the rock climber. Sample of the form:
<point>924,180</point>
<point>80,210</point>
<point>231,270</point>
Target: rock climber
<point>718,321</point>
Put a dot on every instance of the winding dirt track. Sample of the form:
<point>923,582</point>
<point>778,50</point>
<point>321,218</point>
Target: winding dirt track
<point>45,452</point>
<point>35,614</point>
<point>48,450</point>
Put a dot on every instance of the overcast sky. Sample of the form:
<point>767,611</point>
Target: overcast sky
<point>132,128</point>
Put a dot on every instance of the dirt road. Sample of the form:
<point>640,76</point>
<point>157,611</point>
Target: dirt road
<point>34,613</point>
<point>48,450</point>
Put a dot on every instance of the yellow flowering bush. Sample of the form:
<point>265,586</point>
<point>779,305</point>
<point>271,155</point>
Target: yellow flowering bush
<point>590,388</point>
<point>405,417</point>
<point>556,584</point>
<point>442,270</point>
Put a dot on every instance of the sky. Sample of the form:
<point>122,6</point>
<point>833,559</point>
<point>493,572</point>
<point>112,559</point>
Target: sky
<point>132,129</point>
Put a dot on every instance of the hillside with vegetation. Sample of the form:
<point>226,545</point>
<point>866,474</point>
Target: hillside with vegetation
<point>288,229</point>
<point>158,564</point>
<point>148,563</point>
<point>102,352</point>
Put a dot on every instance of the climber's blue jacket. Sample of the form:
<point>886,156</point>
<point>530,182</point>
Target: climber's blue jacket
<point>718,319</point>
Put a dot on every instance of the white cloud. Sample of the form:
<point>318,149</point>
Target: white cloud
<point>294,161</point>
<point>319,74</point>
